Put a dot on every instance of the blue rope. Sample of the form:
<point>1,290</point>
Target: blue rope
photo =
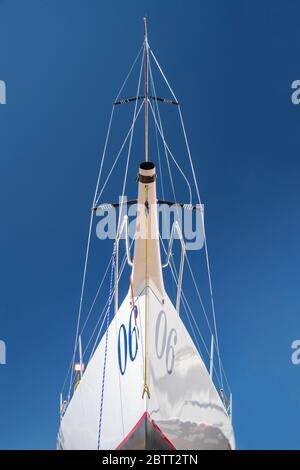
<point>106,340</point>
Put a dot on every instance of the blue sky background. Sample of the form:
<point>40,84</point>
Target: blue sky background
<point>231,64</point>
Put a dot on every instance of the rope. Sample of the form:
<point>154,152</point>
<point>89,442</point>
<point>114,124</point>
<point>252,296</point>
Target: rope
<point>172,156</point>
<point>129,73</point>
<point>160,165</point>
<point>198,293</point>
<point>130,145</point>
<point>187,308</point>
<point>199,200</point>
<point>91,223</point>
<point>81,297</point>
<point>205,245</point>
<point>95,298</point>
<point>119,153</point>
<point>101,317</point>
<point>163,75</point>
<point>123,264</point>
<point>106,342</point>
<point>166,147</point>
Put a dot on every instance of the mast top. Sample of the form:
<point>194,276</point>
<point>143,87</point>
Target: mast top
<point>145,28</point>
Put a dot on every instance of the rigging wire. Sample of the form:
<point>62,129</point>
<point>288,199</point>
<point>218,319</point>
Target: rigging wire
<point>205,244</point>
<point>135,115</point>
<point>199,200</point>
<point>175,280</point>
<point>130,143</point>
<point>98,321</point>
<point>89,314</point>
<point>99,332</point>
<point>166,148</point>
<point>119,153</point>
<point>95,298</point>
<point>91,222</point>
<point>153,91</point>
<point>172,268</point>
<point>129,73</point>
<point>172,156</point>
<point>186,307</point>
<point>198,294</point>
<point>160,129</point>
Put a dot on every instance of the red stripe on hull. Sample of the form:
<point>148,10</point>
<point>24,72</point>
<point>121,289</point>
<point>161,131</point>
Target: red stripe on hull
<point>136,427</point>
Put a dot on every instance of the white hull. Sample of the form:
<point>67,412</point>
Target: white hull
<point>184,406</point>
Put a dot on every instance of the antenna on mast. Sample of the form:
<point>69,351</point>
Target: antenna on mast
<point>146,90</point>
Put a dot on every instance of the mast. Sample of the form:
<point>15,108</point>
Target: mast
<point>146,385</point>
<point>146,90</point>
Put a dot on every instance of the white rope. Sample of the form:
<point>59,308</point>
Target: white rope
<point>135,115</point>
<point>110,122</point>
<point>153,90</point>
<point>159,157</point>
<point>157,144</point>
<point>199,332</point>
<point>160,128</point>
<point>67,376</point>
<point>205,246</point>
<point>91,222</point>
<point>226,380</point>
<point>100,329</point>
<point>171,154</point>
<point>123,192</point>
<point>161,132</point>
<point>119,153</point>
<point>88,249</point>
<point>129,73</point>
<point>162,73</point>
<point>198,293</point>
<point>199,200</point>
<point>109,127</point>
<point>187,308</point>
<point>99,332</point>
<point>175,279</point>
<point>96,297</point>
<point>81,295</point>
<point>166,148</point>
<point>89,314</point>
<point>156,127</point>
<point>130,143</point>
<point>95,329</point>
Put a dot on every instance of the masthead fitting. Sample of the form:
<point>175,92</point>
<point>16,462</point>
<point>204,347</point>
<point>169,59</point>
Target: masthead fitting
<point>147,173</point>
<point>145,27</point>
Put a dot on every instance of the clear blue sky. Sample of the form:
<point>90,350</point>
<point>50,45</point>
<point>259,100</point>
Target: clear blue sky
<point>231,64</point>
